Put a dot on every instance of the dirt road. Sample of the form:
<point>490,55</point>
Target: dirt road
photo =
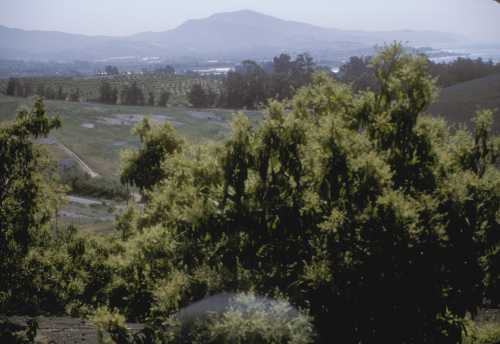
<point>82,163</point>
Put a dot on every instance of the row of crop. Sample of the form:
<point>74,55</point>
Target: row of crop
<point>88,88</point>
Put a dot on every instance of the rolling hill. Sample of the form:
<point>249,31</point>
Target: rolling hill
<point>251,33</point>
<point>52,45</point>
<point>458,103</point>
<point>238,35</point>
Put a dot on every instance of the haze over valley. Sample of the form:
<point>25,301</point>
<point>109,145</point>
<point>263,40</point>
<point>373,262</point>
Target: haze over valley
<point>232,35</point>
<point>249,171</point>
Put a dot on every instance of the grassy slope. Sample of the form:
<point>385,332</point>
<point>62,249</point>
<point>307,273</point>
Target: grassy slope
<point>100,146</point>
<point>458,103</point>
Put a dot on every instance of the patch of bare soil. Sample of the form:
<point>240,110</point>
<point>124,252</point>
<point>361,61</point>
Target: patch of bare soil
<point>132,119</point>
<point>204,116</point>
<point>62,330</point>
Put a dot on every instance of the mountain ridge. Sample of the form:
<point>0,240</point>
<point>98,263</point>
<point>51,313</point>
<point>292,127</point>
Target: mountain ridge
<point>238,34</point>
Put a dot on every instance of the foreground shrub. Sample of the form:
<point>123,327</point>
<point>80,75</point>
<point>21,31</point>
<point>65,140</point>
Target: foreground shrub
<point>66,273</point>
<point>111,327</point>
<point>27,197</point>
<point>245,319</point>
<point>17,333</point>
<point>379,220</point>
<point>100,187</point>
<point>483,333</point>
<point>220,319</point>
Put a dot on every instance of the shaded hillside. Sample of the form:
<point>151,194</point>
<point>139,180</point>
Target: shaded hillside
<point>458,103</point>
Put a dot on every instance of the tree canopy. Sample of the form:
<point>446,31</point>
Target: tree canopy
<point>107,93</point>
<point>353,213</point>
<point>26,198</point>
<point>380,221</point>
<point>132,95</point>
<point>111,70</point>
<point>197,96</point>
<point>358,72</point>
<point>143,168</point>
<point>251,84</point>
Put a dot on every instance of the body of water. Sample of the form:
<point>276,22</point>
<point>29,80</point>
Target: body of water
<point>486,54</point>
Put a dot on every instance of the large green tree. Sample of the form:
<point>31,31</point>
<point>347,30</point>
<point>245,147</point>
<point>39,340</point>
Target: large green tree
<point>252,84</point>
<point>197,96</point>
<point>26,199</point>
<point>132,95</point>
<point>11,87</point>
<point>144,168</point>
<point>107,93</point>
<point>163,99</point>
<point>379,220</point>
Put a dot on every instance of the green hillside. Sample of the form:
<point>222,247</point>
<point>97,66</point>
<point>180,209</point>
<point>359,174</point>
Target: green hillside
<point>459,102</point>
<point>97,133</point>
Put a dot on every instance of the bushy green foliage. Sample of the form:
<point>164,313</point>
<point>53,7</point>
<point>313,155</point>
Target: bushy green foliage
<point>163,99</point>
<point>110,327</point>
<point>361,76</point>
<point>15,333</point>
<point>143,168</point>
<point>197,96</point>
<point>82,184</point>
<point>358,74</point>
<point>107,93</point>
<point>11,87</point>
<point>250,85</point>
<point>66,273</point>
<point>483,333</point>
<point>74,95</point>
<point>26,198</point>
<point>245,319</point>
<point>380,222</point>
<point>132,95</point>
<point>18,88</point>
<point>377,219</point>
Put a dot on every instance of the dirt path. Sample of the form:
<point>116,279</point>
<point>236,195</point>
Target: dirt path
<point>82,163</point>
<point>83,200</point>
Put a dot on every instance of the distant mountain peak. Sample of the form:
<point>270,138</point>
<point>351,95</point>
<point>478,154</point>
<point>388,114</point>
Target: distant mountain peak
<point>235,35</point>
<point>243,17</point>
<point>243,12</point>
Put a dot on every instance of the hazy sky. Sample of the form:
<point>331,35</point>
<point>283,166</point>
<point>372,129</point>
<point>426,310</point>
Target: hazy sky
<point>123,17</point>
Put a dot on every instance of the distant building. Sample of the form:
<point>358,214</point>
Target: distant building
<point>213,71</point>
